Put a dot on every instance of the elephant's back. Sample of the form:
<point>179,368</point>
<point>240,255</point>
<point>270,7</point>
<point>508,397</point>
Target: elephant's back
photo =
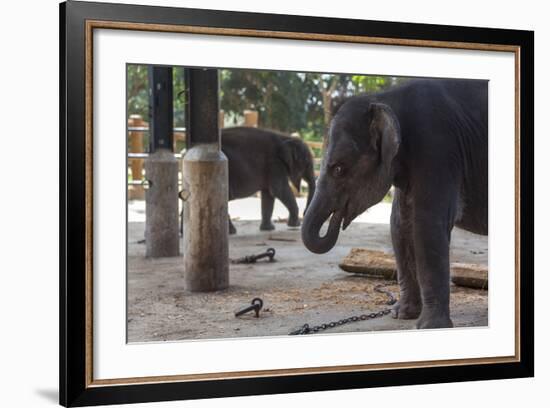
<point>248,139</point>
<point>249,152</point>
<point>444,130</point>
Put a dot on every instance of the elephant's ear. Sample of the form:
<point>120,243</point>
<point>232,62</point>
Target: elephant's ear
<point>385,134</point>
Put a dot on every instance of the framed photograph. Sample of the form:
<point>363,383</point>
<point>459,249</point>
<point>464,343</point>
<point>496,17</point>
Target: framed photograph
<point>257,204</point>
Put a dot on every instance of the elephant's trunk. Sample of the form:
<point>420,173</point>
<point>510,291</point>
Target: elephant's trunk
<point>310,180</point>
<point>297,183</point>
<point>317,213</point>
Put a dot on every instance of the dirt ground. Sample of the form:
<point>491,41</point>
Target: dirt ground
<point>299,287</point>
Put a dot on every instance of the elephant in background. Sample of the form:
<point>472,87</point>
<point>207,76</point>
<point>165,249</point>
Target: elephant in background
<point>429,139</point>
<point>265,160</point>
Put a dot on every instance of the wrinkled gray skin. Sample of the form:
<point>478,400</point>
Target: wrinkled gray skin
<point>429,139</point>
<point>265,160</point>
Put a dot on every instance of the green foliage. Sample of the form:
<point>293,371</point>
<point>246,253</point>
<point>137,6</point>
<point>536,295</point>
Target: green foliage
<point>286,101</point>
<point>179,96</point>
<point>138,93</point>
<point>279,97</point>
<point>137,90</point>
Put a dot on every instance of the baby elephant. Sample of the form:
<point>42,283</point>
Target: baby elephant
<point>265,160</point>
<point>428,138</point>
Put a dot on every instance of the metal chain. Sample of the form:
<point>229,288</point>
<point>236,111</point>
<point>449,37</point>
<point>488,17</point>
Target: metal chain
<point>306,329</point>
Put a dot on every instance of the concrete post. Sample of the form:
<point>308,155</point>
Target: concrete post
<point>161,210</point>
<point>250,118</point>
<point>205,187</point>
<point>205,232</point>
<point>161,169</point>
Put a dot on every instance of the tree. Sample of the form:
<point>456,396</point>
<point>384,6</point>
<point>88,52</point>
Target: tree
<point>279,97</point>
<point>137,90</point>
<point>286,101</point>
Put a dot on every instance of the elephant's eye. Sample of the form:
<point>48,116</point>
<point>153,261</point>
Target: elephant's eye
<point>337,171</point>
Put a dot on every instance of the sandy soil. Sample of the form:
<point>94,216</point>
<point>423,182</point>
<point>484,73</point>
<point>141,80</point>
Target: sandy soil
<point>299,287</point>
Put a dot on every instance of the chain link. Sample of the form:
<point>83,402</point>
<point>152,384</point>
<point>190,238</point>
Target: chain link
<point>306,329</point>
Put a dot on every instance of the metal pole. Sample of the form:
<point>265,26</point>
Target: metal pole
<point>161,108</point>
<point>203,106</point>
<point>205,187</point>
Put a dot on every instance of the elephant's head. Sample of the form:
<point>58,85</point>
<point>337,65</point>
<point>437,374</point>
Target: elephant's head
<point>299,161</point>
<point>356,173</point>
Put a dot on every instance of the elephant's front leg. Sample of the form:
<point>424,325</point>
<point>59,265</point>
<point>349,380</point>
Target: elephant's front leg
<point>283,192</point>
<point>268,201</point>
<point>432,232</point>
<point>409,305</point>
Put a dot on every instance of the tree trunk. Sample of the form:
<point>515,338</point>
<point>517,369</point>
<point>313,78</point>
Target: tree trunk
<point>327,108</point>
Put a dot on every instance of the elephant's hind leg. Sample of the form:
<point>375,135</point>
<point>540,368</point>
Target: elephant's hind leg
<point>268,201</point>
<point>283,192</point>
<point>410,303</point>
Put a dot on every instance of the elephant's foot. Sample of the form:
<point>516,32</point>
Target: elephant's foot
<point>267,226</point>
<point>406,310</point>
<point>293,222</point>
<point>434,318</point>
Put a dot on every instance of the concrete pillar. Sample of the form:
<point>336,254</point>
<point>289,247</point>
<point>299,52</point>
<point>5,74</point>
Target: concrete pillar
<point>205,232</point>
<point>161,205</point>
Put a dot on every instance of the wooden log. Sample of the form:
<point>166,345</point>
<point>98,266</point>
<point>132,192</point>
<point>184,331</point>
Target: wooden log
<point>470,275</point>
<point>382,265</point>
<point>369,262</point>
